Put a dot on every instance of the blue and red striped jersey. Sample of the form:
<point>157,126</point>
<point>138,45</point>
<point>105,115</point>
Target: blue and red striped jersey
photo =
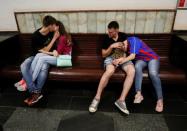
<point>142,51</point>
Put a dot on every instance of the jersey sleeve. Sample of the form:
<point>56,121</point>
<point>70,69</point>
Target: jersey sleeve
<point>134,45</point>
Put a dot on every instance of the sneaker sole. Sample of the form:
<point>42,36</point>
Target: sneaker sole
<point>91,110</point>
<point>26,101</point>
<point>37,99</point>
<point>16,85</point>
<point>124,111</point>
<point>135,102</point>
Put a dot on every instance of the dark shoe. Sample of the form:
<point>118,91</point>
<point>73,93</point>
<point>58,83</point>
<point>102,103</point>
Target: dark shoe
<point>34,98</point>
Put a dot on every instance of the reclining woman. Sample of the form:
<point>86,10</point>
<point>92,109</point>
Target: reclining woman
<point>144,56</point>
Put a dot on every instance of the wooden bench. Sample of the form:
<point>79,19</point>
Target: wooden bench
<point>87,60</point>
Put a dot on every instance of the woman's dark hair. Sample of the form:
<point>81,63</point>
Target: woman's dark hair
<point>48,20</point>
<point>113,24</point>
<point>63,31</point>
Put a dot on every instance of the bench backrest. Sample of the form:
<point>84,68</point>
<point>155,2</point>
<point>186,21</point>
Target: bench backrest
<point>87,47</point>
<point>88,28</point>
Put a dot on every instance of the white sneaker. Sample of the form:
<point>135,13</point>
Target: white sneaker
<point>93,106</point>
<point>138,99</point>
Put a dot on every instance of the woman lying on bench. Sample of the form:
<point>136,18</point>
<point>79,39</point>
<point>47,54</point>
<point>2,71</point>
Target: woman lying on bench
<point>144,56</point>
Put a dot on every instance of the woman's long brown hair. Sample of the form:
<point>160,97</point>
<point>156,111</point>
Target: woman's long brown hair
<point>63,31</point>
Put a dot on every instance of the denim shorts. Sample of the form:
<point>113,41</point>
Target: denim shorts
<point>108,61</point>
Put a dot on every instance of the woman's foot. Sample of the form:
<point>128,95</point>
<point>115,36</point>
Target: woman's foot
<point>138,98</point>
<point>94,105</point>
<point>159,106</point>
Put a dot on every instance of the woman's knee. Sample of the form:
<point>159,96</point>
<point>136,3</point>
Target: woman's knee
<point>153,74</point>
<point>138,66</point>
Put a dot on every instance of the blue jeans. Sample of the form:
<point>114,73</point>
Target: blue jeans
<point>153,69</point>
<point>33,86</point>
<point>39,61</point>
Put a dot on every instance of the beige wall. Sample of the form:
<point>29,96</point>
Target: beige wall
<point>181,20</point>
<point>8,7</point>
<point>96,22</point>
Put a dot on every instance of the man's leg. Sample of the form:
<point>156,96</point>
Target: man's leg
<point>26,73</point>
<point>25,67</point>
<point>32,87</point>
<point>42,76</point>
<point>110,69</point>
<point>130,72</point>
<point>43,71</point>
<point>36,90</point>
<point>42,68</point>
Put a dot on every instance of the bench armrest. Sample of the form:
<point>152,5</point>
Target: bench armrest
<point>178,51</point>
<point>9,50</point>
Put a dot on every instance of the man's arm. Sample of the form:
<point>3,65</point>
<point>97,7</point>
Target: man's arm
<point>49,46</point>
<point>54,53</point>
<point>46,52</point>
<point>106,52</point>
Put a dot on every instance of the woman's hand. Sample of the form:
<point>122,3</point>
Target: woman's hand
<point>124,59</point>
<point>55,53</point>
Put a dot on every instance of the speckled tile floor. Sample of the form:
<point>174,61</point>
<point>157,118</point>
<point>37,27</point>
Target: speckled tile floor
<point>65,108</point>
